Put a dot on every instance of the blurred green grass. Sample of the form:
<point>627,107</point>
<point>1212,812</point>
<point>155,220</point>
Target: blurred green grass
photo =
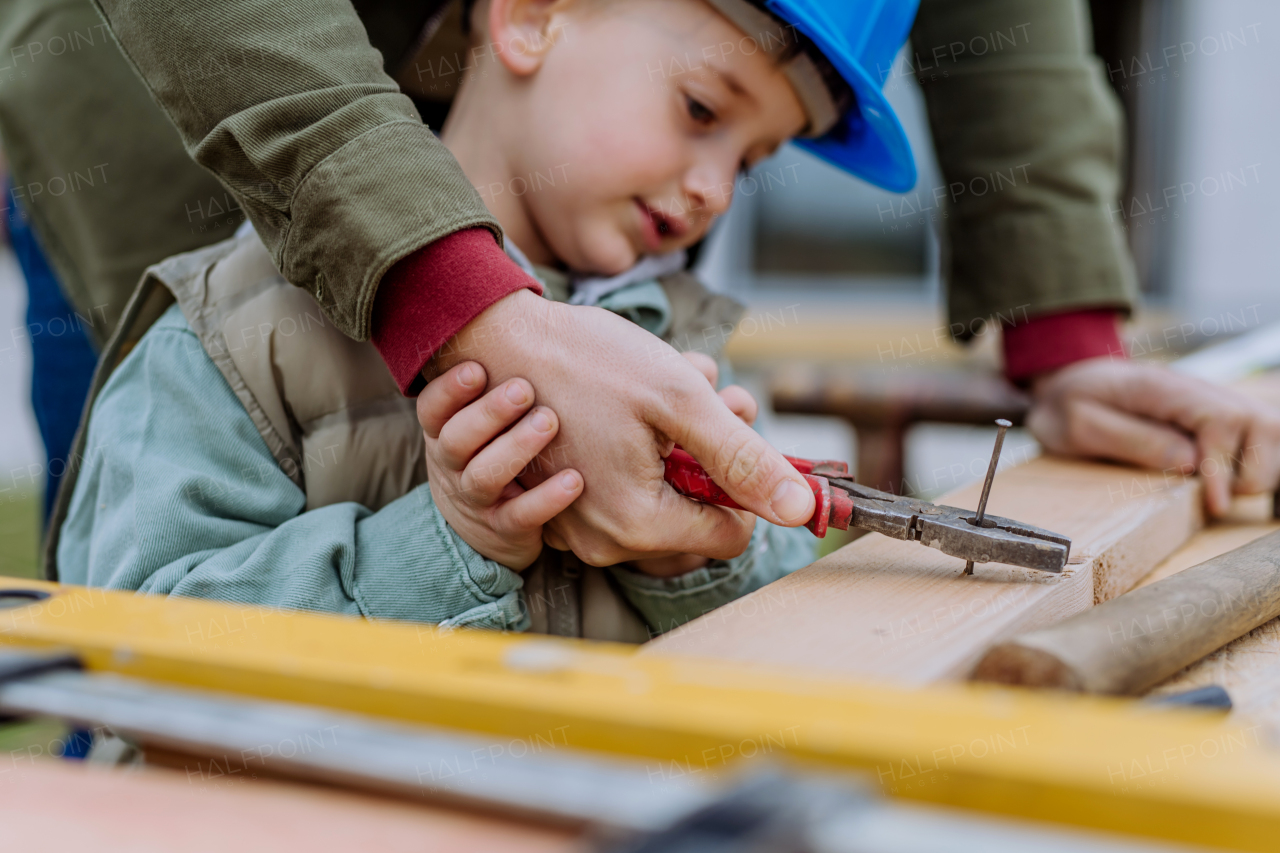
<point>20,534</point>
<point>19,547</point>
<point>834,541</point>
<point>31,739</point>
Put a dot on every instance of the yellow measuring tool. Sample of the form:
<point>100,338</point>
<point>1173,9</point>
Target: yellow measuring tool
<point>1106,764</point>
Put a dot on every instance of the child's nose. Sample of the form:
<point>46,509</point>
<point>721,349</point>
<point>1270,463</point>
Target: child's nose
<point>711,188</point>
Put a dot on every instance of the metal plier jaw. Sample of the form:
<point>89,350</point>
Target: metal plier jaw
<point>841,503</point>
<point>949,529</point>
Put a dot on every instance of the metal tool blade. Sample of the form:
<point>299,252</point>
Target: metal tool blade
<point>955,531</point>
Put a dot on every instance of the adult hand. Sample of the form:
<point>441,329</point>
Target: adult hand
<point>742,404</point>
<point>1155,417</point>
<point>737,398</point>
<point>624,398</point>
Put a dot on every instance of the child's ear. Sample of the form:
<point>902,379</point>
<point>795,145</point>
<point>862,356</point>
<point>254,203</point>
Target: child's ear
<point>522,31</point>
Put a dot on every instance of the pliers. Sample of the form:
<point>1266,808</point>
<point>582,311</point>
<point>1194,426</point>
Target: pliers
<point>841,503</point>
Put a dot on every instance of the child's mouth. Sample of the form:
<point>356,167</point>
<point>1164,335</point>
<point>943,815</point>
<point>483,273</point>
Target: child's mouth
<point>656,226</point>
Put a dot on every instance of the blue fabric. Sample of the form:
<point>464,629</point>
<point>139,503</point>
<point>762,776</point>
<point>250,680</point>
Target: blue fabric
<point>77,745</point>
<point>62,356</point>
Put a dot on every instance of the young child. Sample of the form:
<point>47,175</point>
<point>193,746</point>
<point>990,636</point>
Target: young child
<point>239,447</point>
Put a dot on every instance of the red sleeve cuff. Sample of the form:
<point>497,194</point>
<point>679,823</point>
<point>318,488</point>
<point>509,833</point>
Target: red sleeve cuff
<point>426,298</point>
<point>1046,343</point>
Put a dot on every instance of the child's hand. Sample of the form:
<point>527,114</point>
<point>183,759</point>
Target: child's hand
<point>742,404</point>
<point>473,460</point>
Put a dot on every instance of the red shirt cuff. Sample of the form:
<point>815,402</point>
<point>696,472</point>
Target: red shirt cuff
<point>1046,343</point>
<point>426,298</point>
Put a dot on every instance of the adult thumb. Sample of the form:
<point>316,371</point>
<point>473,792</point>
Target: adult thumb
<point>740,461</point>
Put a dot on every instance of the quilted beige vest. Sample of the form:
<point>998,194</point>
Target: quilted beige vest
<point>331,414</point>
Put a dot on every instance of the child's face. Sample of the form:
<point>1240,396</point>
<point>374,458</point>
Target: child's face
<point>632,127</point>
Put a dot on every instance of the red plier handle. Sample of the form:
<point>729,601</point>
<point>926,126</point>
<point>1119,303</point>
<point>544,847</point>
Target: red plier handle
<point>690,479</point>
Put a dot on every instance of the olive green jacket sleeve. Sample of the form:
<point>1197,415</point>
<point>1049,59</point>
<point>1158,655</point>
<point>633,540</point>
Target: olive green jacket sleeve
<point>97,168</point>
<point>287,103</point>
<point>1029,139</point>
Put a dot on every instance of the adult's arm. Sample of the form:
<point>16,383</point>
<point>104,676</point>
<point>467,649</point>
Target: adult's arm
<point>288,104</point>
<point>1028,137</point>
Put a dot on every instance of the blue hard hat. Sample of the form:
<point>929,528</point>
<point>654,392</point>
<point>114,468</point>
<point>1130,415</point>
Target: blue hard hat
<point>860,38</point>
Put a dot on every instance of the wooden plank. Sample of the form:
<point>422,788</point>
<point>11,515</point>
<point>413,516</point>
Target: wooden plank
<point>1249,669</point>
<point>66,806</point>
<point>1248,519</point>
<point>893,610</point>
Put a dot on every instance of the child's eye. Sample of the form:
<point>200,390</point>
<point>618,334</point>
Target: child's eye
<point>699,112</point>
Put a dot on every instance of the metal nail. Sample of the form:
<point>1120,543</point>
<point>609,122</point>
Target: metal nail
<point>1002,425</point>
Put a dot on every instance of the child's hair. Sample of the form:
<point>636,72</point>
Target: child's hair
<point>842,95</point>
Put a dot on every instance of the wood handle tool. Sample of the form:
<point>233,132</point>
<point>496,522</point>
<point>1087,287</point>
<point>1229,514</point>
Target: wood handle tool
<point>1132,642</point>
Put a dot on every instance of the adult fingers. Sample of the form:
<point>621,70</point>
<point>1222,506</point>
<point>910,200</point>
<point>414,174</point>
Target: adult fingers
<point>1259,466</point>
<point>706,365</point>
<point>539,505</point>
<point>490,470</point>
<point>554,540</point>
<point>737,457</point>
<point>681,525</point>
<point>1096,429</point>
<point>740,402</point>
<point>1219,442</point>
<point>445,395</point>
<point>478,424</point>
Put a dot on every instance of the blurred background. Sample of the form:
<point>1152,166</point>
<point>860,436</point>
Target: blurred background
<point>838,272</point>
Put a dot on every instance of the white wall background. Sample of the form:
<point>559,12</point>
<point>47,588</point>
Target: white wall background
<point>1226,257</point>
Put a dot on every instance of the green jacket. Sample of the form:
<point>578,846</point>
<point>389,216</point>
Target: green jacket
<point>1030,137</point>
<point>290,105</point>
